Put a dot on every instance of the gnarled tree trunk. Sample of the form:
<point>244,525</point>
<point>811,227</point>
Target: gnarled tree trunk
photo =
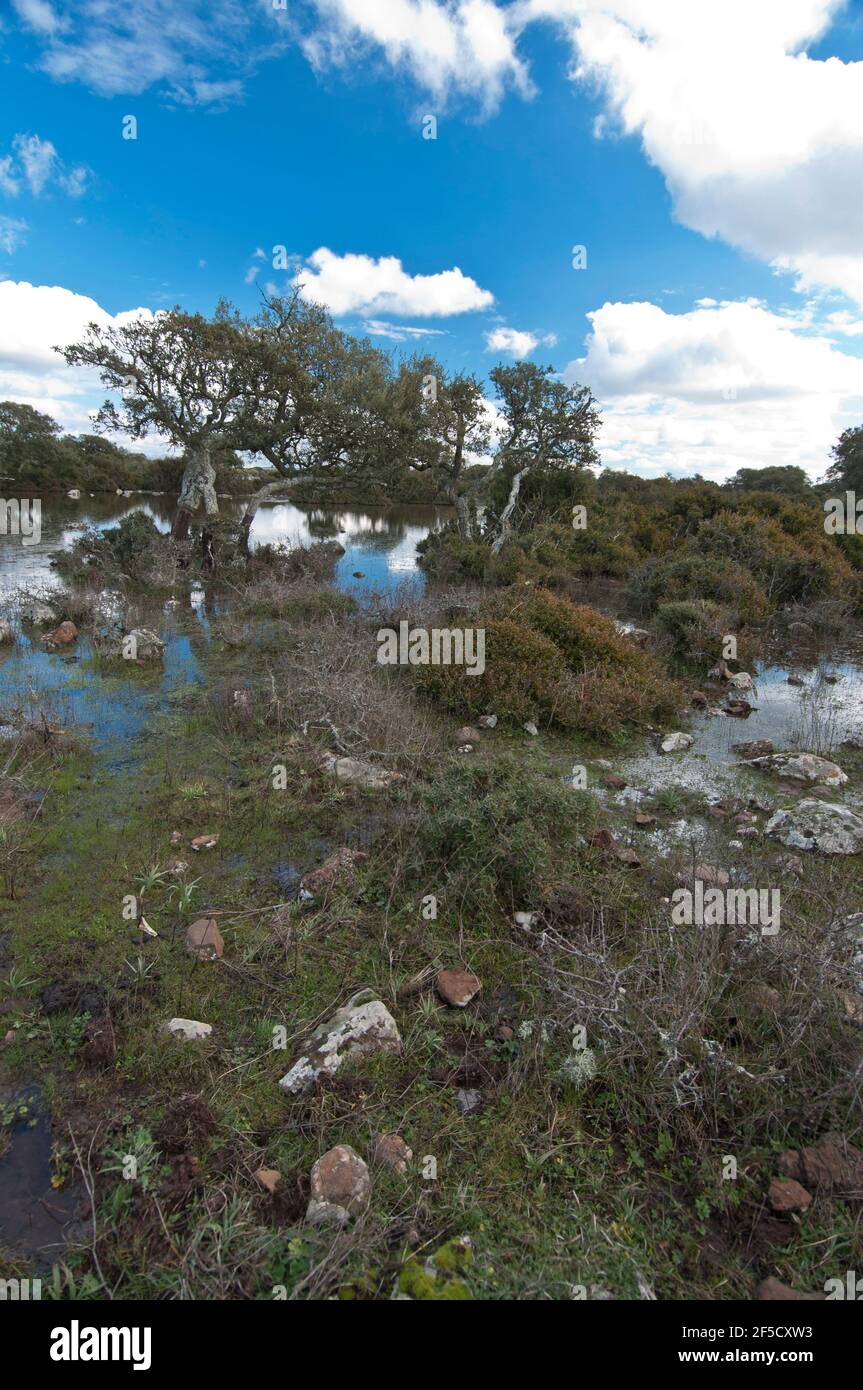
<point>198,489</point>
<point>504,525</point>
<point>254,502</point>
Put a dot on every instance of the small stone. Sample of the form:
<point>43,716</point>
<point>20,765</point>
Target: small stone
<point>204,841</point>
<point>342,1180</point>
<point>357,773</point>
<point>530,728</point>
<point>853,1005</point>
<point>141,645</point>
<point>391,1151</point>
<point>176,837</point>
<point>707,874</point>
<point>204,940</point>
<point>363,1026</point>
<point>457,987</point>
<point>699,699</point>
<point>468,1102</point>
<point>643,820</point>
<point>62,636</point>
<point>614,782</point>
<point>676,742</point>
<point>467,735</point>
<point>832,677</point>
<point>267,1178</point>
<point>487,721</point>
<point>602,839</point>
<point>628,857</point>
<point>758,748</point>
<point>338,869</point>
<point>786,1194</point>
<point>524,920</point>
<point>189,1029</point>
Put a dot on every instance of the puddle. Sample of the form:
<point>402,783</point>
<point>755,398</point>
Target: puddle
<point>35,1219</point>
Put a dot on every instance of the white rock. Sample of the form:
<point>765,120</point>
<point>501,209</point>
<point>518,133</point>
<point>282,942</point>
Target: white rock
<point>741,680</point>
<point>820,825</point>
<point>676,742</point>
<point>530,728</point>
<point>524,920</point>
<point>141,645</point>
<point>808,767</point>
<point>487,721</point>
<point>189,1029</point>
<point>360,774</point>
<point>357,1029</point>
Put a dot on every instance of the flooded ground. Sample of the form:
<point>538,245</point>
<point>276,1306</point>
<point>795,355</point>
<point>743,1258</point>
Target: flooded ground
<point>380,542</point>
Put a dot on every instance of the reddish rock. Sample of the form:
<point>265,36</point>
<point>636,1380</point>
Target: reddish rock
<point>205,841</point>
<point>833,1165</point>
<point>204,940</point>
<point>391,1151</point>
<point>340,1178</point>
<point>699,699</point>
<point>642,820</point>
<point>601,839</point>
<point>786,1194</point>
<point>62,636</point>
<point>338,868</point>
<point>614,782</point>
<point>466,735</point>
<point>628,857</point>
<point>457,987</point>
<point>267,1178</point>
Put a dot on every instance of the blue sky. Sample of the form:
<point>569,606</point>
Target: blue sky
<point>711,170</point>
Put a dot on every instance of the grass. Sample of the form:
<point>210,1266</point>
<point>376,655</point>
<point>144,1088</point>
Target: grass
<point>566,1190</point>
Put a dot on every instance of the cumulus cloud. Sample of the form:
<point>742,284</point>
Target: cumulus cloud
<point>33,318</point>
<point>516,342</point>
<point>725,386</point>
<point>362,284</point>
<point>445,45</point>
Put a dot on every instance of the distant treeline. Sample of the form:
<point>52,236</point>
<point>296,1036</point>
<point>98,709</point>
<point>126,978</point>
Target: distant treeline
<point>35,457</point>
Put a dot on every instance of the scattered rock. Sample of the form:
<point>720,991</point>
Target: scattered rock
<point>525,920</point>
<point>391,1151</point>
<point>357,773</point>
<point>832,677</point>
<point>758,748</point>
<point>807,767</point>
<point>457,987</point>
<point>832,1164</point>
<point>204,940</point>
<point>364,1025</point>
<point>205,841</point>
<point>628,857</point>
<point>853,1005</point>
<point>786,1194</point>
<point>602,839</point>
<point>707,874</point>
<point>530,728</point>
<point>339,868</point>
<point>468,1102</point>
<point>737,709</point>
<point>643,820</point>
<point>141,645</point>
<point>614,782</point>
<point>189,1029</point>
<point>62,636</point>
<point>774,1291</point>
<point>267,1178</point>
<point>487,721</point>
<point>741,680</point>
<point>818,825</point>
<point>341,1187</point>
<point>676,742</point>
<point>467,735</point>
<point>38,613</point>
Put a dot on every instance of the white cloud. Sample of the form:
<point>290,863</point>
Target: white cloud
<point>361,284</point>
<point>758,143</point>
<point>516,342</point>
<point>33,318</point>
<point>12,230</point>
<point>400,332</point>
<point>716,389</point>
<point>445,45</point>
<point>36,163</point>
